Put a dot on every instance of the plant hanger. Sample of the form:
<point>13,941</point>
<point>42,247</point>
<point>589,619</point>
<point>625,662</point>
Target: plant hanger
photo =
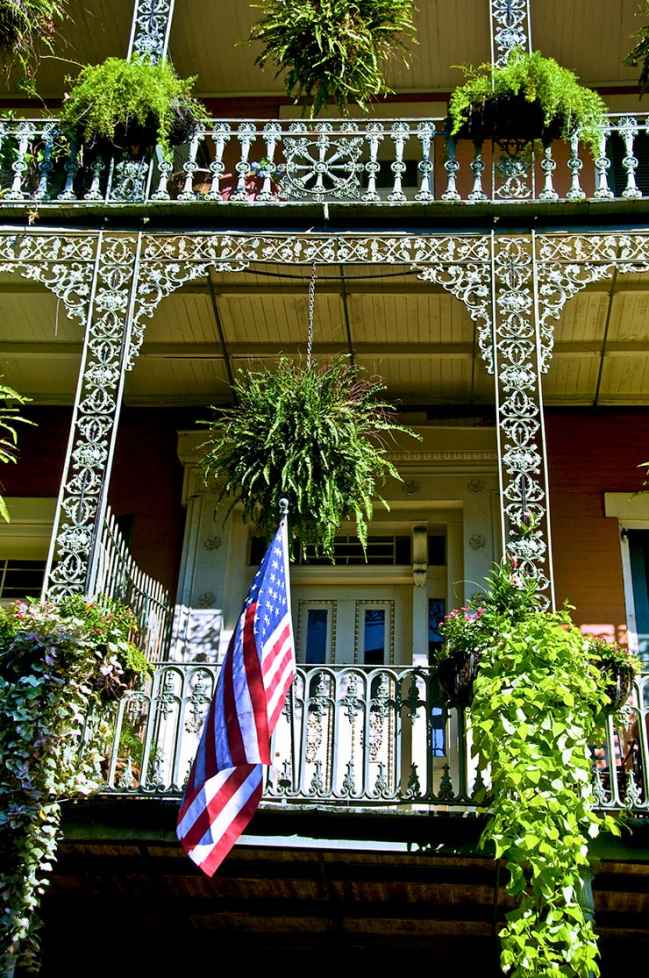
<point>310,314</point>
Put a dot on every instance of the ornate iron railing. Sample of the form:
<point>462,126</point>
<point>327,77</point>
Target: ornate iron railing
<point>373,161</point>
<point>118,576</point>
<point>349,735</point>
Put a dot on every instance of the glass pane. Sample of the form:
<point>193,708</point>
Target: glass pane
<point>374,637</point>
<point>437,732</point>
<point>436,611</point>
<point>316,636</point>
<point>23,578</point>
<point>639,552</point>
<point>436,551</point>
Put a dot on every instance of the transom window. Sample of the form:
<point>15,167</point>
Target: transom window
<point>21,578</point>
<point>385,551</point>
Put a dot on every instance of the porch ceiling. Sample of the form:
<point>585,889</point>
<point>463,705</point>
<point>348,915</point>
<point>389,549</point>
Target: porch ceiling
<point>206,40</point>
<point>416,336</point>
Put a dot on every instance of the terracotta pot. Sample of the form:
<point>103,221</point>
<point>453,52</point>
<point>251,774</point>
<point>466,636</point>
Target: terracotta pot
<point>456,675</point>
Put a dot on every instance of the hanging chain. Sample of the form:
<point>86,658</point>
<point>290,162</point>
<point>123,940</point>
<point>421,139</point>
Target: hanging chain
<point>310,316</point>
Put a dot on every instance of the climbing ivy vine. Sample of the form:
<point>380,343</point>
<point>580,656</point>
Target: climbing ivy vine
<point>60,667</point>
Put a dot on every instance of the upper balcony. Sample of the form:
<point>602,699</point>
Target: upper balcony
<point>410,165</point>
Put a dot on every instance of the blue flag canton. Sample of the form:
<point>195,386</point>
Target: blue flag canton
<point>270,590</point>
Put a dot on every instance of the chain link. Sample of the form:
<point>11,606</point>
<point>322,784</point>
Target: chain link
<point>310,316</point>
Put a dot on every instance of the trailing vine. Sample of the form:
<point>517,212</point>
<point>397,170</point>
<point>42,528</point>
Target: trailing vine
<point>10,402</point>
<point>314,435</point>
<point>60,667</point>
<point>639,53</point>
<point>539,695</point>
<point>26,27</point>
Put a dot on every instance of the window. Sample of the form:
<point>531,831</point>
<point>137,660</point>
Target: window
<point>374,637</point>
<point>382,551</point>
<point>639,557</point>
<point>436,611</point>
<point>316,636</point>
<point>21,578</point>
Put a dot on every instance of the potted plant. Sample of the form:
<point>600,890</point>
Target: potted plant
<point>131,105</point>
<point>619,668</point>
<point>25,27</point>
<point>470,630</point>
<point>313,435</point>
<point>529,98</point>
<point>333,50</point>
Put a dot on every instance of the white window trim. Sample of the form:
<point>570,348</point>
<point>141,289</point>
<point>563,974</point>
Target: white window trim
<point>631,509</point>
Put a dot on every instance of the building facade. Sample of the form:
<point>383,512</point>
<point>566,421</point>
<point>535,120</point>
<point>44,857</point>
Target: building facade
<point>501,296</point>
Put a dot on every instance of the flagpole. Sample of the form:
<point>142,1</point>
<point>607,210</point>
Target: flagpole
<point>283,514</point>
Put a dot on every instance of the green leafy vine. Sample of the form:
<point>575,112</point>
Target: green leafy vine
<point>60,667</point>
<point>539,696</point>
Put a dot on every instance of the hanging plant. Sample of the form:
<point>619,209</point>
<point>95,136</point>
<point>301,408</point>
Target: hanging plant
<point>531,97</point>
<point>10,400</point>
<point>313,435</point>
<point>618,666</point>
<point>131,104</point>
<point>639,53</point>
<point>333,50</point>
<point>27,27</point>
<point>538,699</point>
<point>59,665</point>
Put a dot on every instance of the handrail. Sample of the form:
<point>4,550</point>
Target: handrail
<point>279,163</point>
<point>350,735</point>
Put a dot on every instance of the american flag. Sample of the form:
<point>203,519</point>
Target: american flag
<point>225,782</point>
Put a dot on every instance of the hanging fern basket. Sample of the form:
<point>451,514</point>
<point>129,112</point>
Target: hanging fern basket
<point>315,435</point>
<point>130,105</point>
<point>530,98</point>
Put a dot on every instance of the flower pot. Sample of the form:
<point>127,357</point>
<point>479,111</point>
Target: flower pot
<point>619,684</point>
<point>456,675</point>
<point>510,119</point>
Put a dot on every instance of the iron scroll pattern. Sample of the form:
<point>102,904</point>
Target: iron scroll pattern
<point>519,406</point>
<point>510,28</point>
<point>459,264</point>
<point>94,423</point>
<point>150,29</point>
<point>64,264</point>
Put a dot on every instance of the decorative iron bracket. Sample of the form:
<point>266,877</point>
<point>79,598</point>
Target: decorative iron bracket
<point>510,28</point>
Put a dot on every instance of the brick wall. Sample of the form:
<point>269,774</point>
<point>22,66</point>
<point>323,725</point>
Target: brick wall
<point>146,483</point>
<point>589,453</point>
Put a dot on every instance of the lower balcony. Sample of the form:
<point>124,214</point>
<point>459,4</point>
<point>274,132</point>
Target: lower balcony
<point>349,736</point>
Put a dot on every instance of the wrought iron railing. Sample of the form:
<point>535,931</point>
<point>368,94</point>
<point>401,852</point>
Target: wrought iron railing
<point>349,735</point>
<point>119,577</point>
<point>372,161</point>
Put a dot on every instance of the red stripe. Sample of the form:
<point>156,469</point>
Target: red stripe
<point>270,656</point>
<point>211,811</point>
<point>232,833</point>
<point>233,730</point>
<point>206,746</point>
<point>280,704</point>
<point>256,685</point>
<point>288,655</point>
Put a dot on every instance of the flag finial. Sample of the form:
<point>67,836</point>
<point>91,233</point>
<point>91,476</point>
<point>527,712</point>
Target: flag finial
<point>283,507</point>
